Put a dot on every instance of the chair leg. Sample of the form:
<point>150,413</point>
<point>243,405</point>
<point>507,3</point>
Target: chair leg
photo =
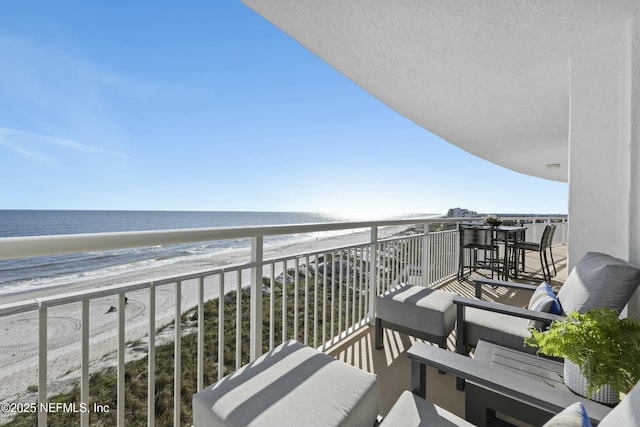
<point>546,261</point>
<point>555,273</point>
<point>461,265</point>
<point>474,259</point>
<point>491,260</point>
<point>442,343</point>
<point>518,254</point>
<point>546,273</point>
<point>378,334</point>
<point>460,346</point>
<point>512,257</point>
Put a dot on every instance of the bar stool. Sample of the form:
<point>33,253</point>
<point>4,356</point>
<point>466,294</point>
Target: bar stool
<point>475,239</point>
<point>541,247</point>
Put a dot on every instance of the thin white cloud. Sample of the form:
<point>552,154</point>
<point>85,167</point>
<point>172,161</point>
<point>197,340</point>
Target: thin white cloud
<point>32,145</point>
<point>57,90</point>
<point>29,153</point>
<point>72,145</point>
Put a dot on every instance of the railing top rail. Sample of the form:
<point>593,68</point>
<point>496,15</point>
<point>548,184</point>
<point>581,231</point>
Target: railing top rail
<point>33,246</point>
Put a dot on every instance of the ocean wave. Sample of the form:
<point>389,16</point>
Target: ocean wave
<point>83,275</point>
<point>29,273</point>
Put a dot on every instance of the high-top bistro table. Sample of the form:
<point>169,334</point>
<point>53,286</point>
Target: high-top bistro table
<point>486,237</point>
<point>509,235</point>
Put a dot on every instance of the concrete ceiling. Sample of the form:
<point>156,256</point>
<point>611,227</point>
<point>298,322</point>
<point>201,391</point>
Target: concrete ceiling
<point>491,77</point>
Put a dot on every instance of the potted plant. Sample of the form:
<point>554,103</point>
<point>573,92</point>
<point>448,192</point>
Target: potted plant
<point>600,350</point>
<point>493,221</point>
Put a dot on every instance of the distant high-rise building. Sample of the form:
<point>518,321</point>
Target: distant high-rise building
<point>461,213</point>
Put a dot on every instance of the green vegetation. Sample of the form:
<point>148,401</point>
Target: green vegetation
<point>103,384</point>
<point>604,346</point>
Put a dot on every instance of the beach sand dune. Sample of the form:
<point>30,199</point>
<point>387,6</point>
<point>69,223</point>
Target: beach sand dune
<point>19,348</point>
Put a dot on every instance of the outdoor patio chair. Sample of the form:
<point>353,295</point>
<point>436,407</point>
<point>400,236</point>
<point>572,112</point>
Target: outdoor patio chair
<point>536,400</point>
<point>543,247</point>
<point>477,250</point>
<point>597,281</point>
<point>294,384</point>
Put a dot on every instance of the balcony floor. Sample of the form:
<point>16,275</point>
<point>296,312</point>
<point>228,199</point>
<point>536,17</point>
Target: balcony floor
<point>392,366</point>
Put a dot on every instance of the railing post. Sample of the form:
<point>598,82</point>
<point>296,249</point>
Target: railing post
<point>177,356</point>
<point>120,381</point>
<point>151,358</point>
<point>200,355</point>
<point>257,253</point>
<point>426,255</point>
<point>84,376</point>
<point>373,272</point>
<point>221,300</point>
<point>42,365</point>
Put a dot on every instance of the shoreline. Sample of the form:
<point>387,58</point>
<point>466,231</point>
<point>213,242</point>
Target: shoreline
<point>19,357</point>
<point>161,269</point>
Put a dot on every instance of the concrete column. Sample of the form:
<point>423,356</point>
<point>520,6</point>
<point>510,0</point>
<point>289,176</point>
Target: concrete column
<point>598,172</point>
<point>633,82</point>
<point>604,189</point>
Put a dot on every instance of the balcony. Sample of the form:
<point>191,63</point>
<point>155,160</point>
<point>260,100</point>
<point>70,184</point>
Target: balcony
<point>393,367</point>
<point>329,301</point>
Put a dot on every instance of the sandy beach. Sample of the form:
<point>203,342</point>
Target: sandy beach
<point>19,349</point>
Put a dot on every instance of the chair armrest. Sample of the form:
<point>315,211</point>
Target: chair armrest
<point>516,386</point>
<point>520,286</point>
<point>463,302</point>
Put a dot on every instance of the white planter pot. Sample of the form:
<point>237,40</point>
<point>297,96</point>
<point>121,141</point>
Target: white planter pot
<point>577,382</point>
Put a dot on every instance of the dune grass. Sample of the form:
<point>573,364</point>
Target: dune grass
<point>103,384</point>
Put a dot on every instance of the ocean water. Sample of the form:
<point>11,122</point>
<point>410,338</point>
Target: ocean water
<point>23,274</point>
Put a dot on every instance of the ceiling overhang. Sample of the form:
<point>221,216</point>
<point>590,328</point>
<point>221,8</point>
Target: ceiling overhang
<point>491,77</point>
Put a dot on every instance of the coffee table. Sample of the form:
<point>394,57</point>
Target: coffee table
<point>543,370</point>
<point>502,380</point>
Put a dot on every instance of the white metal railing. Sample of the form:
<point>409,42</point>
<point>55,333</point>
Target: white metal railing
<point>317,298</point>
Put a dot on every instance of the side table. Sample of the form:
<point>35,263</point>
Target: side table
<point>520,390</point>
<point>542,370</point>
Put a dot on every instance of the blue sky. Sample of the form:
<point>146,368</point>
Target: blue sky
<point>206,106</point>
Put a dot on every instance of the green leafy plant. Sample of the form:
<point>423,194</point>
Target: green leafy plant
<point>605,347</point>
<point>493,220</point>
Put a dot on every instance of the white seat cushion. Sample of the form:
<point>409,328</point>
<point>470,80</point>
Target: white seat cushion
<point>599,281</point>
<point>292,385</point>
<point>428,310</point>
<point>510,331</point>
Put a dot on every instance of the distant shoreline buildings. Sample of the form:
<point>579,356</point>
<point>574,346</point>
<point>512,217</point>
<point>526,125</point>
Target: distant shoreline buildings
<point>467,213</point>
<point>461,213</point>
